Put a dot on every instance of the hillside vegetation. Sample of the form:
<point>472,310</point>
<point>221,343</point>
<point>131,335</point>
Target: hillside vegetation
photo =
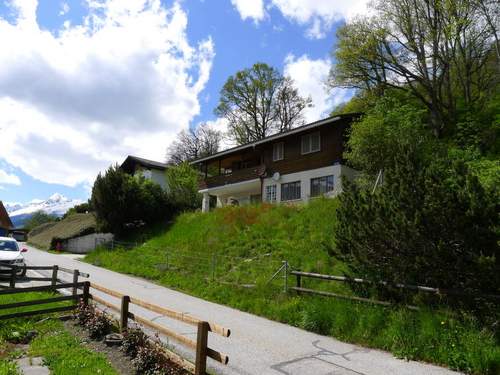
<point>229,255</point>
<point>45,235</point>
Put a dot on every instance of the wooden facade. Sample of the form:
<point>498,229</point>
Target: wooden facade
<point>255,160</point>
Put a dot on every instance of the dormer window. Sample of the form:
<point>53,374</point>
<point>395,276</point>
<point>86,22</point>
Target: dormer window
<point>310,143</point>
<point>278,151</point>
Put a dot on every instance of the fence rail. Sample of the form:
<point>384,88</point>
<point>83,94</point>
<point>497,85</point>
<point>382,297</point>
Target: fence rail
<point>419,288</point>
<point>203,327</point>
<point>13,271</point>
<point>43,301</point>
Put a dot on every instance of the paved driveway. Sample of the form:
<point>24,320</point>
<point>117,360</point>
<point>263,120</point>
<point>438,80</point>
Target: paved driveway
<point>256,345</point>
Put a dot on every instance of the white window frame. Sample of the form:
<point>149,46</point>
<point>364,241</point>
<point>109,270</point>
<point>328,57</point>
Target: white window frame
<point>278,151</point>
<point>307,140</point>
<point>271,193</point>
<point>290,183</point>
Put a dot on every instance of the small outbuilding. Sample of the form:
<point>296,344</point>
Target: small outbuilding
<point>5,223</point>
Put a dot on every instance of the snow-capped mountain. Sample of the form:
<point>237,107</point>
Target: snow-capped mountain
<point>56,205</point>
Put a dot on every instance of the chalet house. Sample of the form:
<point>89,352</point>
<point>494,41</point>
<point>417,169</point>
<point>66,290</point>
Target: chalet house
<point>293,166</point>
<point>149,169</point>
<point>5,223</point>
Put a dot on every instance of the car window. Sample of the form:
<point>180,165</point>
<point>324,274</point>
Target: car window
<point>8,246</point>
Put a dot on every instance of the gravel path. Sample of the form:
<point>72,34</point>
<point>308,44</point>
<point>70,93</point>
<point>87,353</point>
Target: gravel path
<point>256,345</point>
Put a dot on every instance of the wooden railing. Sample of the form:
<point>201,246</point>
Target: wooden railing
<point>45,288</point>
<point>12,271</point>
<point>418,288</point>
<point>238,175</point>
<point>203,328</point>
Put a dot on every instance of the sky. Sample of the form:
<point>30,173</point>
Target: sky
<point>84,83</point>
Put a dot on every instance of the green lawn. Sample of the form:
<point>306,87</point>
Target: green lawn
<point>214,256</point>
<point>62,352</point>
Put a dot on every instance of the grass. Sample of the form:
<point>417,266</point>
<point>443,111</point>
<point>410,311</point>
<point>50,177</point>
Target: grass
<point>72,226</point>
<point>213,256</point>
<point>62,352</point>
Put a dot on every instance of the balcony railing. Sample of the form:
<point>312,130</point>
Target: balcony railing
<point>239,175</point>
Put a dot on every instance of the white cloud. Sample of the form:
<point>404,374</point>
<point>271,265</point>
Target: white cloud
<point>64,8</point>
<point>317,15</point>
<point>126,81</point>
<point>250,9</point>
<point>9,178</point>
<point>309,77</point>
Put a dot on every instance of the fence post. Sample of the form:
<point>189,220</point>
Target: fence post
<point>86,293</point>
<point>285,276</point>
<point>76,273</point>
<point>299,283</point>
<point>214,264</point>
<point>13,272</point>
<point>124,313</point>
<point>54,274</point>
<point>200,366</point>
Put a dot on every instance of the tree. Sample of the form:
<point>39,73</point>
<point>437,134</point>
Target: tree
<point>120,199</point>
<point>430,223</point>
<point>258,101</point>
<point>183,186</point>
<point>38,218</point>
<point>442,52</point>
<point>194,143</point>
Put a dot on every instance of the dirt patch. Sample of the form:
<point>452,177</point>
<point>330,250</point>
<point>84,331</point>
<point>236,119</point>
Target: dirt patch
<point>115,356</point>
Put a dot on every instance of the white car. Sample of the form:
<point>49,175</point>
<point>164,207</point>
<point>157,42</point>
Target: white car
<point>10,254</point>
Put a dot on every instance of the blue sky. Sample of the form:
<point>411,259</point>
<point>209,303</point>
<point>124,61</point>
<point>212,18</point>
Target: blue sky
<point>84,83</point>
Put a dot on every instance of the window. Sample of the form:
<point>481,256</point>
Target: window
<point>290,191</point>
<point>278,151</point>
<point>271,193</point>
<point>311,143</point>
<point>321,185</point>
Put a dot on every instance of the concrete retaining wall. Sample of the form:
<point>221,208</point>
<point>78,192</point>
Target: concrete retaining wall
<point>84,244</point>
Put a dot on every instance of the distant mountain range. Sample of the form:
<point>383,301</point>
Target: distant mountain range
<point>56,205</point>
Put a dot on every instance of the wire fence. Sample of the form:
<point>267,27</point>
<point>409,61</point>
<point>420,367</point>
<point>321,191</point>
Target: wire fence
<point>249,271</point>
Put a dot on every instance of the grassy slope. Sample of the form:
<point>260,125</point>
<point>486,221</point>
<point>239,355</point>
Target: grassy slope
<point>67,228</point>
<point>250,243</point>
<point>62,352</point>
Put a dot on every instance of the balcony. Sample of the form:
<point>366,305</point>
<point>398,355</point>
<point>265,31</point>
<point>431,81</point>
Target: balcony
<point>236,176</point>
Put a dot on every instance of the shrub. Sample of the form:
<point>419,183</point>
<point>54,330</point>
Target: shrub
<point>97,323</point>
<point>149,360</point>
<point>120,199</point>
<point>183,187</point>
<point>133,340</point>
<point>429,223</point>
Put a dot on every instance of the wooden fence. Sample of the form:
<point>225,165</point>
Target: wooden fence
<point>419,288</point>
<point>85,295</point>
<point>12,271</point>
<point>203,328</point>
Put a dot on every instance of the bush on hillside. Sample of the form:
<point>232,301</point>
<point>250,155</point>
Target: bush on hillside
<point>39,218</point>
<point>429,223</point>
<point>121,201</point>
<point>183,186</point>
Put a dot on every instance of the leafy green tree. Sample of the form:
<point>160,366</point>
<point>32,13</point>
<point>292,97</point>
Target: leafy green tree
<point>121,200</point>
<point>39,218</point>
<point>431,223</point>
<point>183,185</point>
<point>79,209</point>
<point>441,52</point>
<point>258,101</point>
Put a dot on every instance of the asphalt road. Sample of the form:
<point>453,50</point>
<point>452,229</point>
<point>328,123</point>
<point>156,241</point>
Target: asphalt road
<point>256,345</point>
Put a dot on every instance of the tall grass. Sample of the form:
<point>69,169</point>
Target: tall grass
<point>217,255</point>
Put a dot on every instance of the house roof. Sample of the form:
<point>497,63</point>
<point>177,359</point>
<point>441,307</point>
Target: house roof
<point>274,137</point>
<point>129,164</point>
<point>5,221</point>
